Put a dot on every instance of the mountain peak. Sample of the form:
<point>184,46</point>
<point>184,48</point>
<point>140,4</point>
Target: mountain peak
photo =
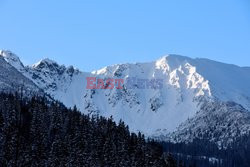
<point>44,62</point>
<point>172,61</point>
<point>174,57</point>
<point>12,59</point>
<point>52,66</point>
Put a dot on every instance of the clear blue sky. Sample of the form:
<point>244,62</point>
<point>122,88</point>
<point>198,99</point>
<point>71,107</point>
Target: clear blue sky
<point>90,34</point>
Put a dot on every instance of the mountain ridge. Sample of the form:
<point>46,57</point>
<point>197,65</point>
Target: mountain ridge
<point>188,84</point>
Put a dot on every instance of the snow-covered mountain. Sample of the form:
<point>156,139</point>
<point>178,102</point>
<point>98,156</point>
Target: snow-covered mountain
<point>11,79</point>
<point>195,94</point>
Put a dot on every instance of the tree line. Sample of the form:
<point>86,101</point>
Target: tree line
<point>37,132</point>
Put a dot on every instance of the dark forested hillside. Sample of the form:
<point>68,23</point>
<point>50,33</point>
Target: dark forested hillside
<point>203,153</point>
<point>36,132</point>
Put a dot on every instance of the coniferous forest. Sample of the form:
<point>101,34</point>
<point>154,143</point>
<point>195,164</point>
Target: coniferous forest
<point>37,132</point>
<point>203,153</point>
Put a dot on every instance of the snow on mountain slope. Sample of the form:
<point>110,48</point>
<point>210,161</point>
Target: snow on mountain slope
<point>11,80</point>
<point>12,59</point>
<point>219,122</point>
<point>151,110</point>
<point>65,84</point>
<point>227,82</point>
<point>187,84</point>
